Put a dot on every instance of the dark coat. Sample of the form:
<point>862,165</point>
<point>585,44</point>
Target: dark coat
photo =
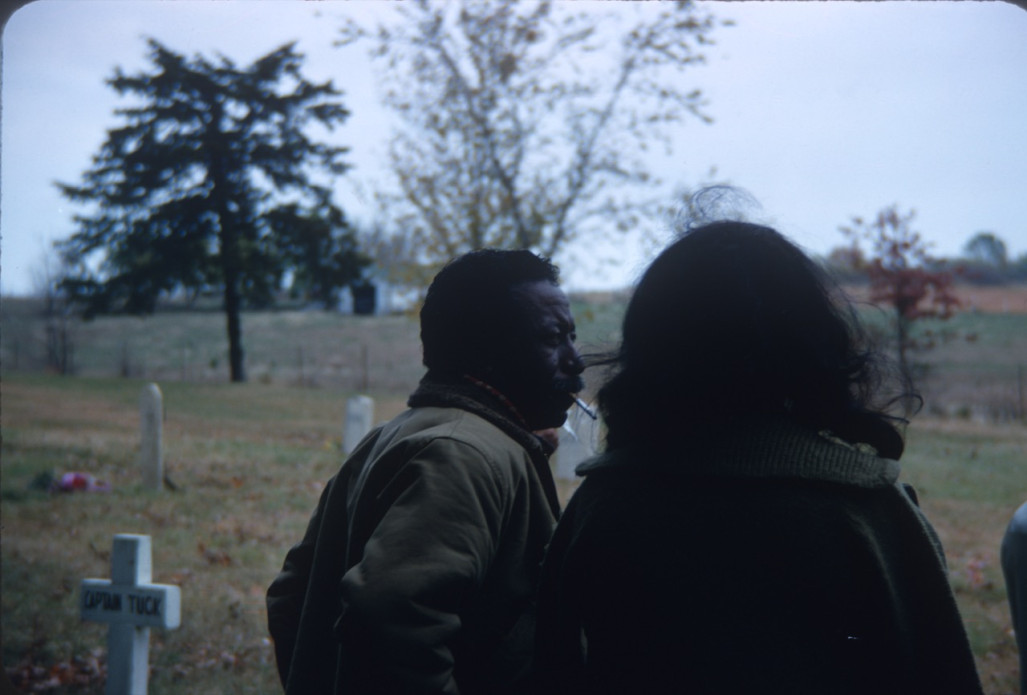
<point>418,568</point>
<point>1014,569</point>
<point>764,558</point>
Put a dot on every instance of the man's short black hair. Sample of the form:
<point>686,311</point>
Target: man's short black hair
<point>469,309</point>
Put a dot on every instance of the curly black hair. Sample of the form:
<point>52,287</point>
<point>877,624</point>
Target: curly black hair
<point>734,319</point>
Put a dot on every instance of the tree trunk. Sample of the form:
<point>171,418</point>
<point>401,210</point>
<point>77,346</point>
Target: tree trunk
<point>233,302</point>
<point>230,261</point>
<point>236,357</point>
<point>903,340</point>
<point>903,326</point>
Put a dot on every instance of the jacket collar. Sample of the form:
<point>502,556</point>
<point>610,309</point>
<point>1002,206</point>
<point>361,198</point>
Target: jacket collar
<point>454,391</point>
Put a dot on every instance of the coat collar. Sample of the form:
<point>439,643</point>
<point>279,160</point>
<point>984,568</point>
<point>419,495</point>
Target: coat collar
<point>453,391</point>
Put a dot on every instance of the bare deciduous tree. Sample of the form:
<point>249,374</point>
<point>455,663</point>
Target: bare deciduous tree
<point>47,277</point>
<point>527,124</point>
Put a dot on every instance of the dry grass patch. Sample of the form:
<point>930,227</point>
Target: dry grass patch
<point>970,479</point>
<point>249,462</point>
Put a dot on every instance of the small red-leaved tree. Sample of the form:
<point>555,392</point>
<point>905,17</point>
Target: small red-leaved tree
<point>903,275</point>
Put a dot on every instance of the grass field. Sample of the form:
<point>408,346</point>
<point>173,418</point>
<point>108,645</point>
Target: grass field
<point>249,461</point>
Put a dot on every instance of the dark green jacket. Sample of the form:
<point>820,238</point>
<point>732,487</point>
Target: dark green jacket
<point>417,571</point>
<point>763,558</point>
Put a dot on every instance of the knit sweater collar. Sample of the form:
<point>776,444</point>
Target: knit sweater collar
<point>765,448</point>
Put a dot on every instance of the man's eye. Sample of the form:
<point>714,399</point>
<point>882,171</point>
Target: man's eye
<point>556,337</point>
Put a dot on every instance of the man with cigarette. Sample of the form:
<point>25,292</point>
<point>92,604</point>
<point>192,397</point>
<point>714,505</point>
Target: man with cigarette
<point>419,565</point>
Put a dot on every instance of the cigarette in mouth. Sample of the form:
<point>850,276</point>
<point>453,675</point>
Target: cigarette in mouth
<point>581,404</point>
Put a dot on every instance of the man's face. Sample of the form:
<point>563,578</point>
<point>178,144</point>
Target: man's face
<point>540,368</point>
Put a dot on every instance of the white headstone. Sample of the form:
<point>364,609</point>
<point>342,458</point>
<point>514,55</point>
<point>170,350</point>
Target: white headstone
<point>359,421</point>
<point>579,440</point>
<point>151,417</point>
<point>131,605</point>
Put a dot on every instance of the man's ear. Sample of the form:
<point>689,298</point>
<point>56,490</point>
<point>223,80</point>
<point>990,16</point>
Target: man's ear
<point>491,352</point>
<point>482,371</point>
<point>481,362</point>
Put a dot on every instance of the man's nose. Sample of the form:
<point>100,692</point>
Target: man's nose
<point>572,362</point>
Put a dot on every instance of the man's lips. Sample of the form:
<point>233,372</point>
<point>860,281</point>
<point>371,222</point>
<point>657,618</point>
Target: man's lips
<point>569,386</point>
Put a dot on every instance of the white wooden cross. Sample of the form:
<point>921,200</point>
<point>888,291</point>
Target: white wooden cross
<point>131,605</point>
<point>359,421</point>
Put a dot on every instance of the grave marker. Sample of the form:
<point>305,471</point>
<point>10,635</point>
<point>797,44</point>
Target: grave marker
<point>151,418</point>
<point>359,421</point>
<point>131,605</point>
<point>579,440</point>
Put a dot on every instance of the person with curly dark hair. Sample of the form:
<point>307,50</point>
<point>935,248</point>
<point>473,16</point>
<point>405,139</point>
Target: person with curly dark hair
<point>745,530</point>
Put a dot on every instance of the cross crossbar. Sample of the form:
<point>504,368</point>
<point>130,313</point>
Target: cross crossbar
<point>144,605</point>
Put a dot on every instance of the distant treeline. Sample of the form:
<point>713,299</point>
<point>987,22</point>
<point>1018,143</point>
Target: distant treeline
<point>985,261</point>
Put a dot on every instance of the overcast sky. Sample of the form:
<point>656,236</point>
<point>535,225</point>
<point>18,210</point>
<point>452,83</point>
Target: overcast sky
<point>822,111</point>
